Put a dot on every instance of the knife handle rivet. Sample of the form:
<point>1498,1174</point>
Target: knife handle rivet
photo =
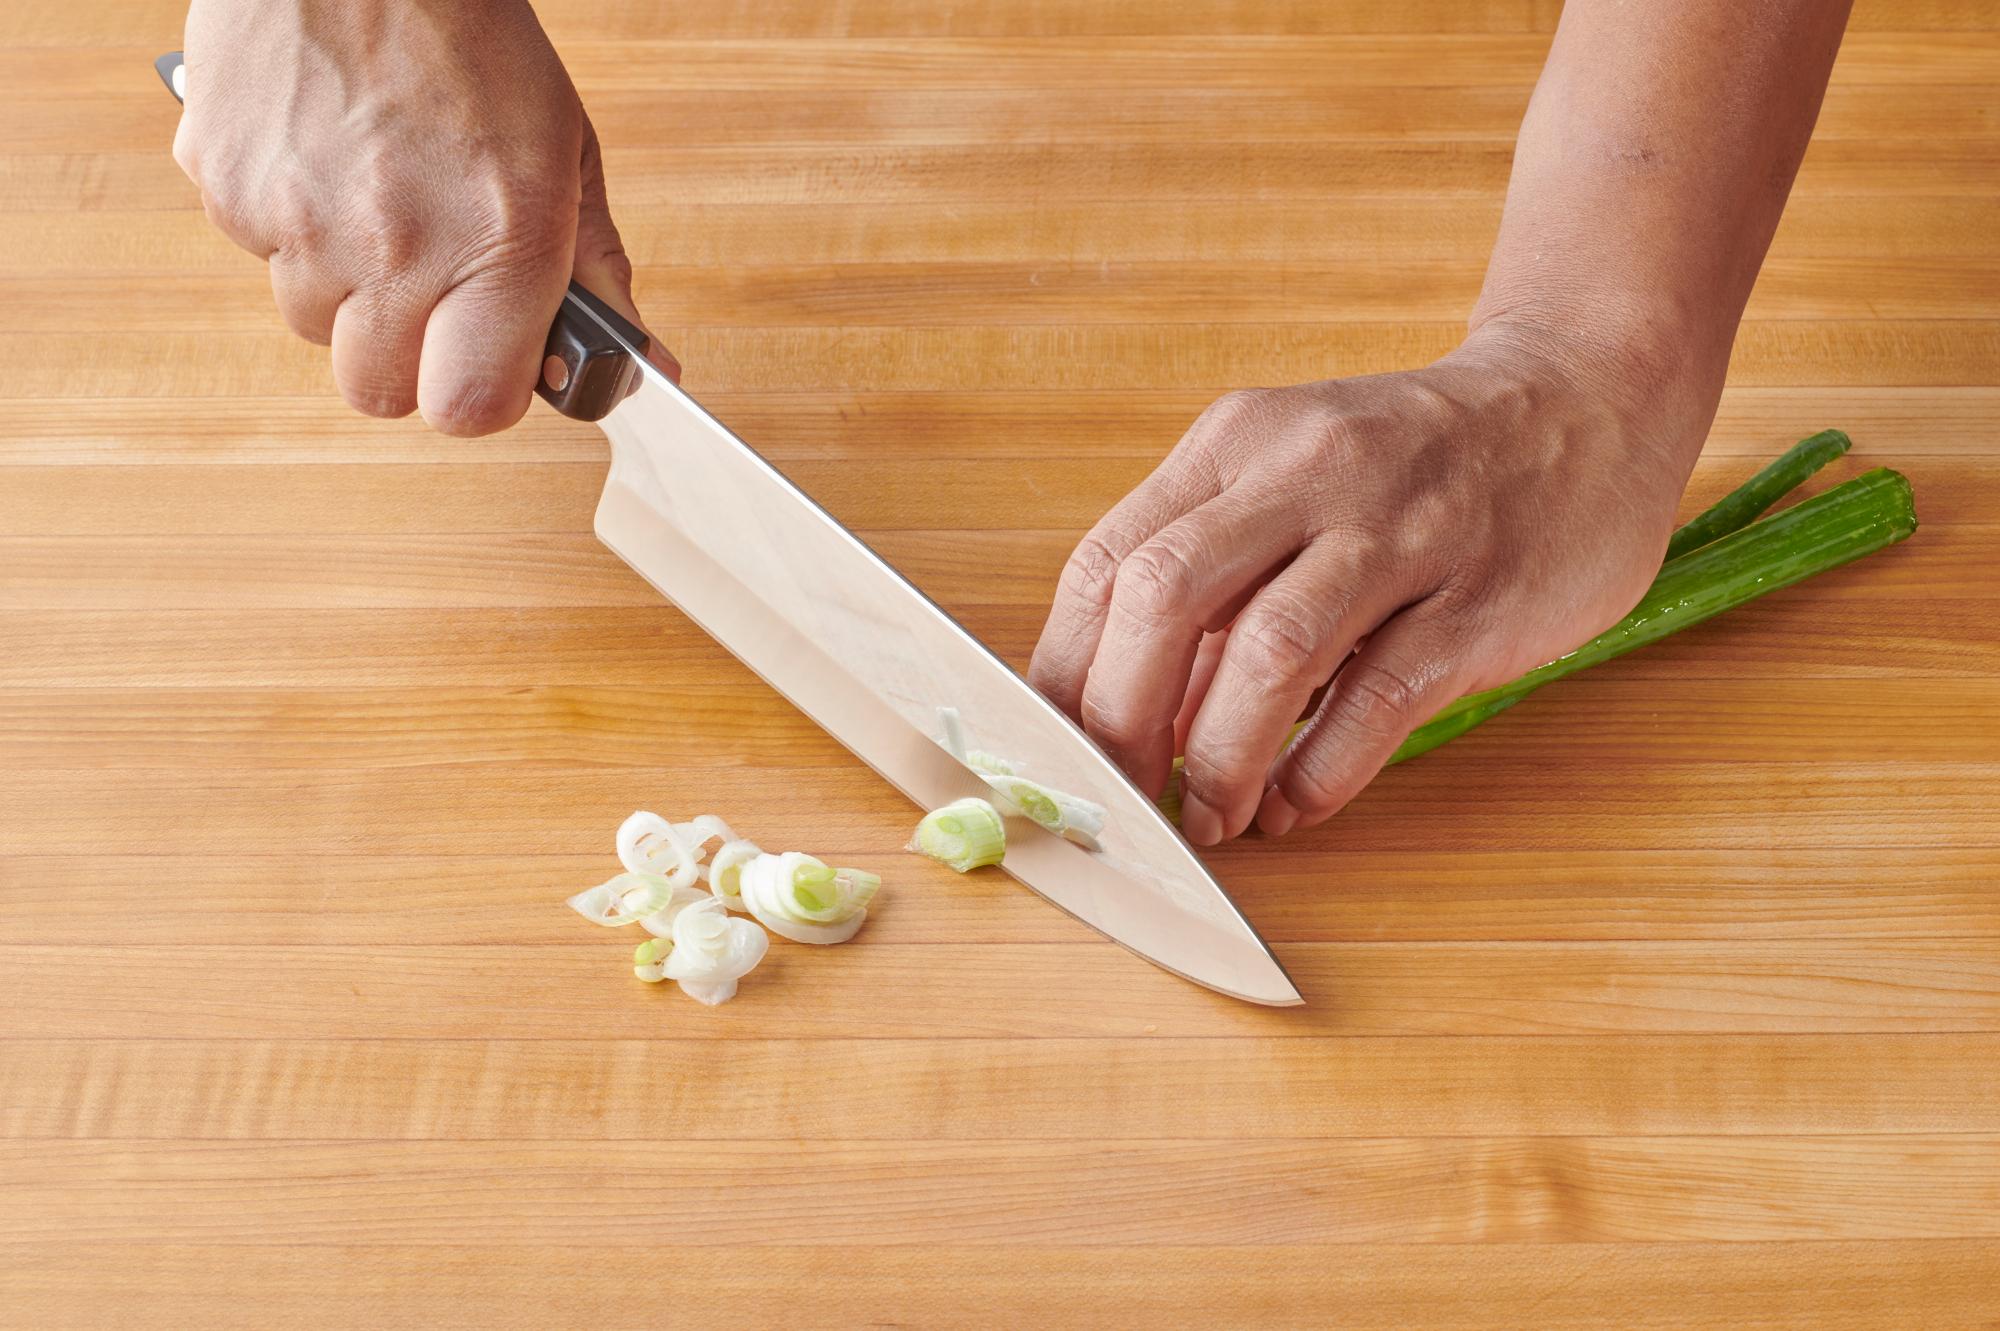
<point>555,373</point>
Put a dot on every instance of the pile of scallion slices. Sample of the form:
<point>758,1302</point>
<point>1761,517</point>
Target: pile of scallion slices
<point>683,880</point>
<point>697,942</point>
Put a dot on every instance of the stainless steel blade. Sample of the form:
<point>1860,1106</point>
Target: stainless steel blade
<point>850,642</point>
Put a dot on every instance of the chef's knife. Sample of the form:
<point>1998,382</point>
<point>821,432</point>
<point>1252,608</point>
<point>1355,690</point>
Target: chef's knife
<point>848,640</point>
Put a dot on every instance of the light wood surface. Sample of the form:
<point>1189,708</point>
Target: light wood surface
<point>1671,998</point>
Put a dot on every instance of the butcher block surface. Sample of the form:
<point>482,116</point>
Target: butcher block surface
<point>1670,998</point>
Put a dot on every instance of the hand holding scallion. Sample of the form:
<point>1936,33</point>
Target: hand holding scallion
<point>1390,543</point>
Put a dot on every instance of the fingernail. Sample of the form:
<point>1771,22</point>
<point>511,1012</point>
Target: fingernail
<point>1199,823</point>
<point>1276,816</point>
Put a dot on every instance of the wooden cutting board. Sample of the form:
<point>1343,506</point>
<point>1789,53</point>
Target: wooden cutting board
<point>1672,997</point>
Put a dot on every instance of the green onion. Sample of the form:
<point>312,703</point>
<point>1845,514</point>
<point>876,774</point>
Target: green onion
<point>796,896</point>
<point>647,959</point>
<point>624,899</point>
<point>814,897</point>
<point>725,872</point>
<point>964,835</point>
<point>1071,816</point>
<point>649,844</point>
<point>711,952</point>
<point>1748,501</point>
<point>1066,815</point>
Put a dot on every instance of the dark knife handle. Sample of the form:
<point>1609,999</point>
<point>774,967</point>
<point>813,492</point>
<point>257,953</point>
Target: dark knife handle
<point>592,359</point>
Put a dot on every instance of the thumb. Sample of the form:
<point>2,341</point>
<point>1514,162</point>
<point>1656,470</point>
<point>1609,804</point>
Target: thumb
<point>601,264</point>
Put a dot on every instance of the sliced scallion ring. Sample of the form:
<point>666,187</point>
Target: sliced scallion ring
<point>648,843</point>
<point>964,835</point>
<point>1065,815</point>
<point>725,872</point>
<point>712,951</point>
<point>623,900</point>
<point>699,832</point>
<point>798,897</point>
<point>660,923</point>
<point>649,959</point>
<point>1072,816</point>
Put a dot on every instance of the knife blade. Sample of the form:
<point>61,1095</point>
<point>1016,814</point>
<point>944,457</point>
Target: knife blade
<point>837,631</point>
<point>830,625</point>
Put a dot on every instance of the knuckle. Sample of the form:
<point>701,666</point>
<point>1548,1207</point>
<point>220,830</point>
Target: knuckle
<point>393,239</point>
<point>1331,448</point>
<point>217,209</point>
<point>222,204</point>
<point>1279,645</point>
<point>1156,582</point>
<point>615,263</point>
<point>1337,425</point>
<point>374,379</point>
<point>1372,555</point>
<point>384,314</point>
<point>1315,781</point>
<point>1376,701</point>
<point>1468,575</point>
<point>529,210</point>
<point>295,223</point>
<point>1053,678</point>
<point>1091,572</point>
<point>1231,410</point>
<point>1216,774</point>
<point>186,157</point>
<point>1465,592</point>
<point>1115,724</point>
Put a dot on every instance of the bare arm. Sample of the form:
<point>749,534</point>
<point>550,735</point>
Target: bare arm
<point>1430,532</point>
<point>1652,167</point>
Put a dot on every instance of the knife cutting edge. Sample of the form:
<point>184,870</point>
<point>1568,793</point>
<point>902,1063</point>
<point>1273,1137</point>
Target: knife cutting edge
<point>852,643</point>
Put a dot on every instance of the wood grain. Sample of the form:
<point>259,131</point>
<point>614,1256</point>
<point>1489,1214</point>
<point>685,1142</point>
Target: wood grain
<point>1813,1286</point>
<point>1344,230</point>
<point>992,989</point>
<point>1752,425</point>
<point>1025,293</point>
<point>128,119</point>
<point>1671,998</point>
<point>1392,1190</point>
<point>364,899</point>
<point>1866,172</point>
<point>1831,1286</point>
<point>898,1090</point>
<point>471,498</point>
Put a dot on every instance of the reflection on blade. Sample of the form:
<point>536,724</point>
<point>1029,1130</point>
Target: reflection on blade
<point>851,643</point>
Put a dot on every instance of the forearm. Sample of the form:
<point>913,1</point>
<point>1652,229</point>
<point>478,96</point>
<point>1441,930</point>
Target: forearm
<point>1651,170</point>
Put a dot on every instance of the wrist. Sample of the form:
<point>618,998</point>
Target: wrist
<point>1659,373</point>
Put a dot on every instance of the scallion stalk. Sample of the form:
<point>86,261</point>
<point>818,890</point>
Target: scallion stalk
<point>1747,502</point>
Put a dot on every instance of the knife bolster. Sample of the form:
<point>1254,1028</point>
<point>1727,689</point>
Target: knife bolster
<point>591,363</point>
